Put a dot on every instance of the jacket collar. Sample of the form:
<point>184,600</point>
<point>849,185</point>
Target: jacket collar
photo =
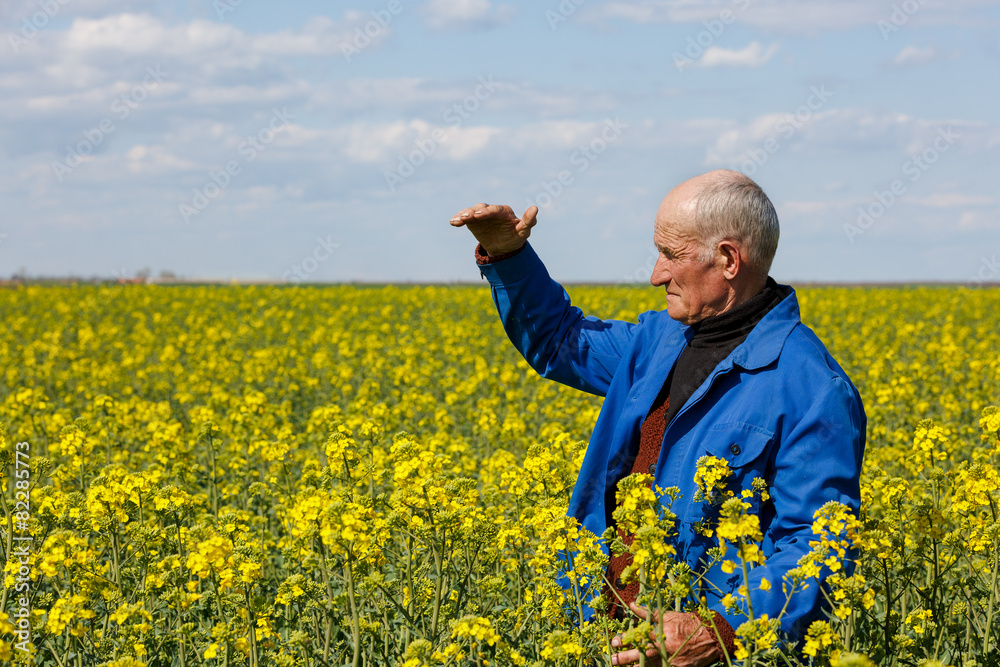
<point>764,344</point>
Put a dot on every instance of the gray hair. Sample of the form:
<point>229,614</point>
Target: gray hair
<point>736,208</point>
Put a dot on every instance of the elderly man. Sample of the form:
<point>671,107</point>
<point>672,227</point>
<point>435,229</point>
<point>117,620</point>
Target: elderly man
<point>728,370</point>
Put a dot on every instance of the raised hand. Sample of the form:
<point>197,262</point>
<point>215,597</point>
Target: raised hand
<point>496,227</point>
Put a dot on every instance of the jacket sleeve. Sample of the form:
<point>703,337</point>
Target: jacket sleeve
<point>818,461</point>
<point>554,337</point>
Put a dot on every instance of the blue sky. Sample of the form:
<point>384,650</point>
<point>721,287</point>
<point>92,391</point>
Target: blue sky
<point>333,141</point>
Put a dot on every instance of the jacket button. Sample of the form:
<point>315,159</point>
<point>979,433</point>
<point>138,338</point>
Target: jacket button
<point>652,468</point>
<point>735,449</point>
<point>619,584</point>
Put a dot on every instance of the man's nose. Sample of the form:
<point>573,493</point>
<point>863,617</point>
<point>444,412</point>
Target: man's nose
<point>660,275</point>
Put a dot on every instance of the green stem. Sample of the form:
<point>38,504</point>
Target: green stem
<point>746,583</point>
<point>9,544</point>
<point>214,489</point>
<point>114,560</point>
<point>355,622</point>
<point>888,609</point>
<point>993,599</point>
<point>329,594</point>
<point>438,586</point>
<point>251,622</point>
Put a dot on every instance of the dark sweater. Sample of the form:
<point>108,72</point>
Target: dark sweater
<point>714,338</point>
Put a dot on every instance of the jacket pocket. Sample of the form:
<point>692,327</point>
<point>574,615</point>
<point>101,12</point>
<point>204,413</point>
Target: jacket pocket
<point>739,443</point>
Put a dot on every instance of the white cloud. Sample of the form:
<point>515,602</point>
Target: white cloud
<point>937,200</point>
<point>150,160</point>
<point>146,35</point>
<point>912,55</point>
<point>953,199</point>
<point>465,14</point>
<point>433,98</point>
<point>383,143</point>
<point>17,10</point>
<point>731,142</point>
<point>838,131</point>
<point>752,55</point>
<point>79,71</point>
<point>978,221</point>
<point>783,15</point>
<point>786,16</point>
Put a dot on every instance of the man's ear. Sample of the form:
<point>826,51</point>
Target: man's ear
<point>731,258</point>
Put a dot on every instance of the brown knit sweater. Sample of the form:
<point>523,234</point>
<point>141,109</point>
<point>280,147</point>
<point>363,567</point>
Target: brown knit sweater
<point>650,439</point>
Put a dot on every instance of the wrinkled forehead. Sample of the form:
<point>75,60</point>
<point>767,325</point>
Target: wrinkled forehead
<point>675,220</point>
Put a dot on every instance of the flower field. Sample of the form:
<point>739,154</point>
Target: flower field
<point>373,476</point>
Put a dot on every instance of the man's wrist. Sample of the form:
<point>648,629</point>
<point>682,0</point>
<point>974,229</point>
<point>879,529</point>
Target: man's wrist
<point>483,257</point>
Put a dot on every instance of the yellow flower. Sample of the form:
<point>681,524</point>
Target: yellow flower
<point>476,628</point>
<point>560,646</point>
<point>851,660</point>
<point>820,637</point>
<point>736,525</point>
<point>127,661</point>
<point>920,621</point>
<point>710,478</point>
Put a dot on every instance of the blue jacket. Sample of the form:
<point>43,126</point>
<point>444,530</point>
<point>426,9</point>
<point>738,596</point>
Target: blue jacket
<point>778,407</point>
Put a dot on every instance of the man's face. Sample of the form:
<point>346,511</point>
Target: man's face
<point>695,289</point>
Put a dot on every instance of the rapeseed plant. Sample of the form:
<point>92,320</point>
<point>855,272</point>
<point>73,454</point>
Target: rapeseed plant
<point>372,476</point>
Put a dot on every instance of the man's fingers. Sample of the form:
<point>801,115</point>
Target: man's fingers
<point>528,220</point>
<point>641,612</point>
<point>483,211</point>
<point>499,217</point>
<point>463,216</point>
<point>631,657</point>
<point>625,657</point>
